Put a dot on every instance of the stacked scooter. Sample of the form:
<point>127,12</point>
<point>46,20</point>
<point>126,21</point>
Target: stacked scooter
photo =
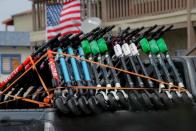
<point>97,72</point>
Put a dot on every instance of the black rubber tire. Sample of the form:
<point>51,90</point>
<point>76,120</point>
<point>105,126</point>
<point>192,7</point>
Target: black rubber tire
<point>114,105</point>
<point>134,102</point>
<point>141,100</point>
<point>94,105</point>
<point>157,102</point>
<point>146,100</point>
<point>83,104</point>
<point>165,99</point>
<point>177,100</point>
<point>72,104</point>
<point>123,101</point>
<point>186,98</point>
<point>61,106</point>
<point>105,105</point>
<point>1,98</point>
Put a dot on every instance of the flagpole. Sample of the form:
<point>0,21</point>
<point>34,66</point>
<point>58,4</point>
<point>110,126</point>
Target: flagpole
<point>46,38</point>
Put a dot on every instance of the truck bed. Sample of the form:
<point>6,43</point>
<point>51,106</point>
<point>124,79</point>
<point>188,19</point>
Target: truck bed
<point>180,118</point>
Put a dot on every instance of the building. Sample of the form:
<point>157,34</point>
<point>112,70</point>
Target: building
<point>15,45</point>
<point>133,13</point>
<point>123,13</point>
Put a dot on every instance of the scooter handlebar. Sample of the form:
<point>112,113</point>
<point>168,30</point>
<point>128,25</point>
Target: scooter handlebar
<point>133,33</point>
<point>103,32</point>
<point>168,28</point>
<point>153,34</point>
<point>65,37</point>
<point>77,35</point>
<point>109,29</point>
<point>149,30</point>
<point>96,29</point>
<point>48,44</point>
<point>163,32</point>
<point>136,40</point>
<point>125,31</point>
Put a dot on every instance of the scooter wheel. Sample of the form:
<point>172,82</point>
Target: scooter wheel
<point>157,101</point>
<point>186,98</point>
<point>146,101</point>
<point>165,99</point>
<point>61,106</point>
<point>113,102</point>
<point>123,100</point>
<point>141,100</point>
<point>83,104</point>
<point>176,99</point>
<point>135,104</point>
<point>102,101</point>
<point>1,98</point>
<point>72,104</point>
<point>94,105</point>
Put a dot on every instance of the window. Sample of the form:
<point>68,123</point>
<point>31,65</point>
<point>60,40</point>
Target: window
<point>9,62</point>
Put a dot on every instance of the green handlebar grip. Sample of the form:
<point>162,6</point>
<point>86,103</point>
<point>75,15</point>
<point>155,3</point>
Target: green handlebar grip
<point>102,45</point>
<point>162,45</point>
<point>144,45</point>
<point>153,46</point>
<point>86,47</point>
<point>94,47</point>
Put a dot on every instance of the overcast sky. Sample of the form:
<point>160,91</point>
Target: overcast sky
<point>10,7</point>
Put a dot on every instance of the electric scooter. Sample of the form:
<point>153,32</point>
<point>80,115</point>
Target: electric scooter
<point>187,97</point>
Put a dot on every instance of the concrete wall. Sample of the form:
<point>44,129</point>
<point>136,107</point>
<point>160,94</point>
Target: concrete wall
<point>176,40</point>
<point>24,51</point>
<point>37,36</point>
<point>23,23</point>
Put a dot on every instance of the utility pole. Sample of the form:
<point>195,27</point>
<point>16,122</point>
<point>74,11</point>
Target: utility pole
<point>190,29</point>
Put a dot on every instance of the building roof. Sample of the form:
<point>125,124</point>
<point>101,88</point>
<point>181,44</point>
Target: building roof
<point>14,39</point>
<point>23,13</point>
<point>10,21</point>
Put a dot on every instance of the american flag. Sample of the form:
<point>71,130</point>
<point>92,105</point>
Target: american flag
<point>63,18</point>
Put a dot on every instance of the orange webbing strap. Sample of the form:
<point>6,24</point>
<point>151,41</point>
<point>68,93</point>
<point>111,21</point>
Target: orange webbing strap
<point>121,70</point>
<point>41,104</point>
<point>40,78</point>
<point>6,89</point>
